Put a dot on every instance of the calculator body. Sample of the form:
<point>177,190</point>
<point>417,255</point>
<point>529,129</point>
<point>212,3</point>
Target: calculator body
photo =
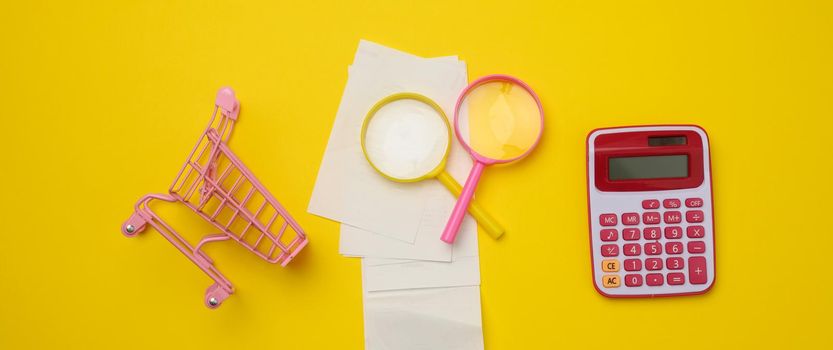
<point>650,205</point>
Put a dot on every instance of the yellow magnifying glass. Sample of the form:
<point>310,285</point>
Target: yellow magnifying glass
<point>406,137</point>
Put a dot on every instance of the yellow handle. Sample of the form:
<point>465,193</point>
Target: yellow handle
<point>484,219</point>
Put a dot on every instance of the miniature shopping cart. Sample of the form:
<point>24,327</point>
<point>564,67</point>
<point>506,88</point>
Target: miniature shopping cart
<point>216,185</point>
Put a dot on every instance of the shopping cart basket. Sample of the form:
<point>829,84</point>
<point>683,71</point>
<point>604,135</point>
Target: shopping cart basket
<point>216,185</point>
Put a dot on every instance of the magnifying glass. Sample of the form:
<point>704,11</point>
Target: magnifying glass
<point>406,137</point>
<point>498,119</point>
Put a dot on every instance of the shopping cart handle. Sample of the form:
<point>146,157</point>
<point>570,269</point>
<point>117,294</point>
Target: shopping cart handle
<point>228,103</point>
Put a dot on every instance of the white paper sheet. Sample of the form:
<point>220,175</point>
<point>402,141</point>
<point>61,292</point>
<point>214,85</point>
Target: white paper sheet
<point>347,188</point>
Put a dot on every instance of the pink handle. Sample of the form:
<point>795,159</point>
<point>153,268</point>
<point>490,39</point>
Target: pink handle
<point>453,225</point>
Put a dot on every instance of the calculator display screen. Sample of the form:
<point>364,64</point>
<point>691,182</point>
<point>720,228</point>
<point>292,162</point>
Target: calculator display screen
<point>647,167</point>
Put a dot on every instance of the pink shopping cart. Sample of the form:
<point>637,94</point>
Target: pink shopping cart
<point>216,185</point>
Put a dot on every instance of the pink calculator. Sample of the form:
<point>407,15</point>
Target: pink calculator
<point>649,197</point>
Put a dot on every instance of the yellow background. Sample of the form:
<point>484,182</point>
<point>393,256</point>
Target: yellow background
<point>102,101</point>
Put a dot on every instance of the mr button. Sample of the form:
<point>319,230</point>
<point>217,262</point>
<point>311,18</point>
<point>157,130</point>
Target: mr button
<point>610,281</point>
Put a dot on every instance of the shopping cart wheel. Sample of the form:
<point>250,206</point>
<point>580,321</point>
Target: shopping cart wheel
<point>215,295</point>
<point>134,225</point>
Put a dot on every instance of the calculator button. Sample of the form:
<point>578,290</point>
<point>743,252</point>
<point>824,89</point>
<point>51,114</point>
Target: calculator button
<point>650,218</point>
<point>610,281</point>
<point>607,219</point>
<point>696,247</point>
<point>694,216</point>
<point>654,248</point>
<point>609,234</point>
<point>610,265</point>
<point>610,250</point>
<point>654,279</point>
<point>695,231</point>
<point>672,217</point>
<point>674,247</point>
<point>633,264</point>
<point>632,249</point>
<point>676,278</point>
<point>697,270</point>
<point>673,232</point>
<point>630,219</point>
<point>674,263</point>
<point>630,234</point>
<point>650,204</point>
<point>651,233</point>
<point>653,264</point>
<point>633,280</point>
<point>671,203</point>
<point>694,202</point>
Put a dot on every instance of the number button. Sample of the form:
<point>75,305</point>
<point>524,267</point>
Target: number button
<point>610,250</point>
<point>693,202</point>
<point>632,249</point>
<point>633,265</point>
<point>697,270</point>
<point>633,280</point>
<point>651,233</point>
<point>653,264</point>
<point>610,281</point>
<point>650,204</point>
<point>610,265</point>
<point>654,279</point>
<point>650,218</point>
<point>671,203</point>
<point>654,248</point>
<point>608,219</point>
<point>674,247</point>
<point>609,235</point>
<point>694,216</point>
<point>674,263</point>
<point>630,234</point>
<point>673,232</point>
<point>695,231</point>
<point>630,219</point>
<point>672,217</point>
<point>696,247</point>
<point>676,278</point>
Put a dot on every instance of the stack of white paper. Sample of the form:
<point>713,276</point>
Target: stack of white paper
<point>419,292</point>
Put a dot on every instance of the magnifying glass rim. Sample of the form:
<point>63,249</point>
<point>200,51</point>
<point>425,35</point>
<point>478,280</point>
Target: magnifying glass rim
<point>407,96</point>
<point>485,80</point>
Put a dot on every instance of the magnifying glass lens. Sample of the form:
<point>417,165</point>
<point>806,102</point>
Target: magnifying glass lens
<point>499,120</point>
<point>406,139</point>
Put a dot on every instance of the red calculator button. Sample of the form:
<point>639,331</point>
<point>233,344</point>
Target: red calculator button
<point>633,264</point>
<point>633,280</point>
<point>630,219</point>
<point>674,263</point>
<point>676,278</point>
<point>695,231</point>
<point>694,216</point>
<point>696,247</point>
<point>654,279</point>
<point>673,232</point>
<point>654,248</point>
<point>610,250</point>
<point>671,203</point>
<point>653,264</point>
<point>609,234</point>
<point>652,233</point>
<point>673,217</point>
<point>674,247</point>
<point>607,219</point>
<point>650,204</point>
<point>650,218</point>
<point>632,249</point>
<point>630,234</point>
<point>697,270</point>
<point>693,202</point>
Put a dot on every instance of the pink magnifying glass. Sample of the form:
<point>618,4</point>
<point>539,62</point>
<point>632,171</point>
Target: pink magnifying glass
<point>498,119</point>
